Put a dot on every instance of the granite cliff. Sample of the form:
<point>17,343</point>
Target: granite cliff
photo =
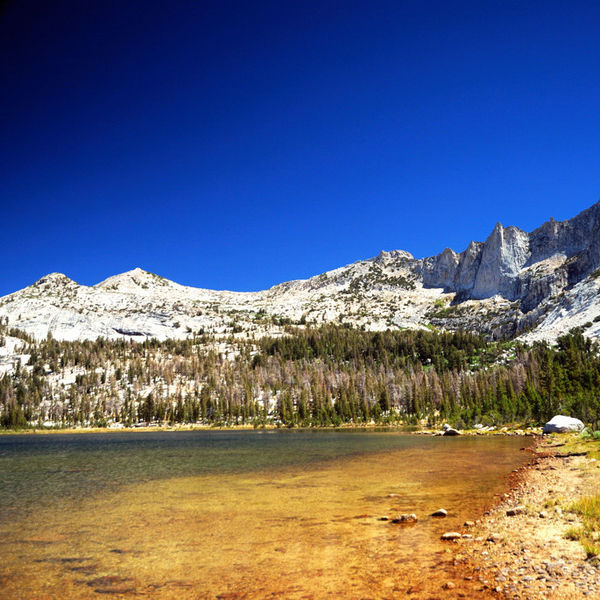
<point>535,285</point>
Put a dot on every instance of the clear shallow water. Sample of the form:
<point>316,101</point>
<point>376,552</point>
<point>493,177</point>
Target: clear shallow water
<point>237,514</point>
<point>39,470</point>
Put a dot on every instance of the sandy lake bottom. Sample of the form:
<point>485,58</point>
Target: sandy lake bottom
<point>240,514</point>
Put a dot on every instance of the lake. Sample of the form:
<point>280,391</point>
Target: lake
<point>240,514</point>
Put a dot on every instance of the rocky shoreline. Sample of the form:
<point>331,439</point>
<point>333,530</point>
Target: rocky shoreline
<point>518,549</point>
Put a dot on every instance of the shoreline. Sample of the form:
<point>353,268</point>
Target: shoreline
<point>524,556</point>
<point>527,555</point>
<point>409,430</point>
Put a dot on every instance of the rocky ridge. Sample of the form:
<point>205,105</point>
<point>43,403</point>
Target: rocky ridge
<point>534,285</point>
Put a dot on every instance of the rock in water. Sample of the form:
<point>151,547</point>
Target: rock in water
<point>451,431</point>
<point>406,518</point>
<point>562,424</point>
<point>451,535</point>
<point>442,512</point>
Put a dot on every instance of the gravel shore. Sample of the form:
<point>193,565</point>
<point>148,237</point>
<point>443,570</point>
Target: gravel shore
<point>519,549</point>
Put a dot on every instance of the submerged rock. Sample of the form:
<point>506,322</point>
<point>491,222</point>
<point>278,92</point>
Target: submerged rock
<point>112,584</point>
<point>563,424</point>
<point>406,518</point>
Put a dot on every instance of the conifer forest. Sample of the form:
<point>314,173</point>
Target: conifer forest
<point>330,375</point>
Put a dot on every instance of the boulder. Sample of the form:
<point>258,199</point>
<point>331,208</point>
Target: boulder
<point>442,512</point>
<point>451,535</point>
<point>451,431</point>
<point>562,424</point>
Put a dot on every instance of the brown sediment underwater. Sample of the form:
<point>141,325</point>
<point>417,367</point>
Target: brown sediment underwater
<point>300,531</point>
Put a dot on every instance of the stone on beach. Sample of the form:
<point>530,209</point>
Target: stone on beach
<point>517,510</point>
<point>563,424</point>
<point>451,431</point>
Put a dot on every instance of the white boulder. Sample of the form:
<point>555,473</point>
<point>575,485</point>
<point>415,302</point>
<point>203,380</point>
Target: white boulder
<point>562,424</point>
<point>451,431</point>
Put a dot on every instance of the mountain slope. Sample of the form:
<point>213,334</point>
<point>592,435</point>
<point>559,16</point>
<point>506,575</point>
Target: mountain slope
<point>536,285</point>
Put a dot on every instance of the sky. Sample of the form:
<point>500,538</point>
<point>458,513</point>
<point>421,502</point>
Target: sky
<point>236,145</point>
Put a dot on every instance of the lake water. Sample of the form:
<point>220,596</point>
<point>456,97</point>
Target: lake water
<point>240,514</point>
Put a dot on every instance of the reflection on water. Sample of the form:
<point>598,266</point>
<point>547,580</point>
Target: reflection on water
<point>238,514</point>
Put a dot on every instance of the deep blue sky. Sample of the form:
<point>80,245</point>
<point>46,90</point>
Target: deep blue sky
<point>240,144</point>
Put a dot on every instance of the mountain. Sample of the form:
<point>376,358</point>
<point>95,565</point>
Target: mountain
<point>535,285</point>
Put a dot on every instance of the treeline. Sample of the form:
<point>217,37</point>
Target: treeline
<point>323,376</point>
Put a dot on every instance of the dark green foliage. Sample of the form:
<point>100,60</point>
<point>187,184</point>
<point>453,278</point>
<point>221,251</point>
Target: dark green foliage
<point>332,343</point>
<point>310,377</point>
